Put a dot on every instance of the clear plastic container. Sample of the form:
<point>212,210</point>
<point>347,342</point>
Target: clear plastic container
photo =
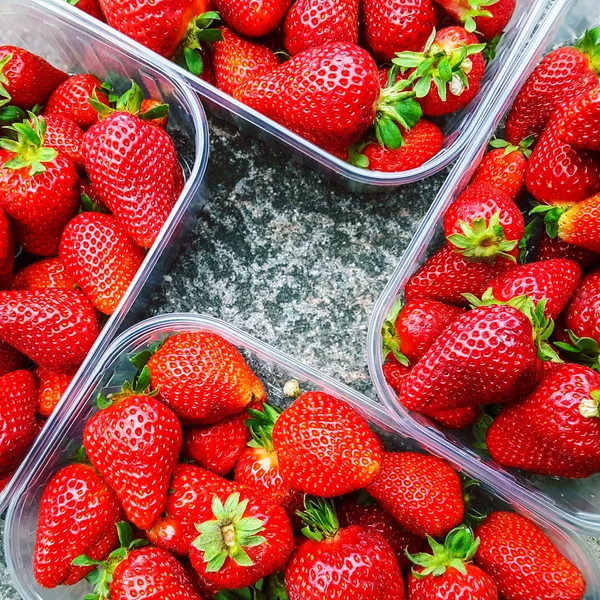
<point>78,45</point>
<point>574,503</point>
<point>274,369</point>
<point>459,128</point>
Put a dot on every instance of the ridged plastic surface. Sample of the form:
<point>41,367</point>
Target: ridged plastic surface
<point>573,503</point>
<point>76,46</point>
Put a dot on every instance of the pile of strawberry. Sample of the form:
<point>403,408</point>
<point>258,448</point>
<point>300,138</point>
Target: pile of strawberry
<point>368,104</point>
<point>523,364</point>
<point>191,486</point>
<point>69,153</point>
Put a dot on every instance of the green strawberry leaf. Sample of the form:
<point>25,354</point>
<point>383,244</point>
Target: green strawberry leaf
<point>193,61</point>
<point>388,133</point>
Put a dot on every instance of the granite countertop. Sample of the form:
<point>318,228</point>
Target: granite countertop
<point>289,257</point>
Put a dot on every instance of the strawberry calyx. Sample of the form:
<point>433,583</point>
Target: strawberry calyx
<point>228,534</point>
<point>552,215</point>
<point>524,146</point>
<point>458,548</point>
<point>390,340</point>
<point>268,588</point>
<point>477,8</point>
<point>589,44</point>
<point>140,385</point>
<point>28,148</point>
<point>524,242</point>
<point>489,52</point>
<point>260,424</point>
<point>582,350</point>
<point>590,407</point>
<point>5,97</point>
<point>320,518</point>
<point>200,31</point>
<point>477,503</point>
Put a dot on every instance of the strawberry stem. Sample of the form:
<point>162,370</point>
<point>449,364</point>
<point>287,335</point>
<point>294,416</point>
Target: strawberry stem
<point>200,32</point>
<point>320,518</point>
<point>261,425</point>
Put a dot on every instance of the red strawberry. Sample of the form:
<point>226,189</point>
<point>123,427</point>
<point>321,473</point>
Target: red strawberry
<point>422,492</point>
<point>102,259</point>
<point>39,188</point>
<point>7,252</point>
<point>446,276</point>
<point>556,431</point>
<point>394,373</point>
<point>52,386</point>
<point>393,26</point>
<point>484,224</point>
<point>487,17</point>
<point>345,455</point>
<point>203,377</point>
<point>561,74</point>
<point>172,534</point>
<point>150,107</point>
<point>45,273</point>
<point>54,328</point>
<point>253,18</point>
<point>236,60</point>
<point>77,511</point>
<point>65,137</point>
<point>25,78</point>
<point>349,563</point>
<point>10,359</point>
<point>71,100</point>
<point>577,120</point>
<point>315,22</point>
<point>548,248</point>
<point>524,562</point>
<point>579,224</point>
<point>91,7</point>
<point>17,418</point>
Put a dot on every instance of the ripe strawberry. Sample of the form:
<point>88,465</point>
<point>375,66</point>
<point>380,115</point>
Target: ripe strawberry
<point>236,60</point>
<point>54,328</point>
<point>7,252</point>
<point>392,26</point>
<point>91,7</point>
<point>394,373</point>
<point>524,562</point>
<point>455,68</point>
<point>484,224</point>
<point>172,534</point>
<point>505,166</point>
<point>71,100</point>
<point>253,19</point>
<point>51,388</point>
<point>487,17</point>
<point>120,148</point>
<point>422,492</point>
<point>577,120</point>
<point>203,378</point>
<point>155,112</point>
<point>562,74</point>
<point>353,563</point>
<point>315,22</point>
<point>65,137</point>
<point>344,457</point>
<point>25,78</point>
<point>39,188</point>
<point>556,431</point>
<point>17,417</point>
<point>45,273</point>
<point>548,248</point>
<point>446,276</point>
<point>77,511</point>
<point>10,359</point>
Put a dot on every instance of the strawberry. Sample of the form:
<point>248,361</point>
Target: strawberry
<point>556,430</point>
<point>51,388</point>
<point>172,534</point>
<point>17,418</point>
<point>71,99</point>
<point>54,328</point>
<point>560,75</point>
<point>487,17</point>
<point>505,166</point>
<point>155,112</point>
<point>39,187</point>
<point>448,71</point>
<point>136,463</point>
<point>45,273</point>
<point>422,492</point>
<point>392,26</point>
<point>77,511</point>
<point>394,372</point>
<point>446,276</point>
<point>65,137</point>
<point>10,359</point>
<point>548,248</point>
<point>25,78</point>
<point>236,60</point>
<point>91,7</point>
<point>120,148</point>
<point>577,120</point>
<point>7,252</point>
<point>203,378</point>
<point>103,261</point>
<point>344,457</point>
<point>484,224</point>
<point>353,563</point>
<point>524,562</point>
<point>315,22</point>
<point>254,19</point>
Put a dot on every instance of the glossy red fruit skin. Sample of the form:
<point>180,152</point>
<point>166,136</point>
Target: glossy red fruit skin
<point>505,172</point>
<point>580,224</point>
<point>315,22</point>
<point>77,511</point>
<point>236,60</point>
<point>145,157</point>
<point>486,356</point>
<point>446,276</point>
<point>7,252</point>
<point>255,18</point>
<point>324,447</point>
<point>421,143</point>
<point>136,462</point>
<point>31,79</point>
<point>364,564</point>
<point>560,75</point>
<point>582,315</point>
<point>548,248</point>
<point>71,99</point>
<point>488,27</point>
<point>45,273</point>
<point>392,26</point>
<point>474,584</point>
<point>328,94</point>
<point>66,137</point>
<point>172,534</point>
<point>394,373</point>
<point>51,388</point>
<point>524,562</point>
<point>10,359</point>
<point>422,493</point>
<point>577,120</point>
<point>54,328</point>
<point>91,7</point>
